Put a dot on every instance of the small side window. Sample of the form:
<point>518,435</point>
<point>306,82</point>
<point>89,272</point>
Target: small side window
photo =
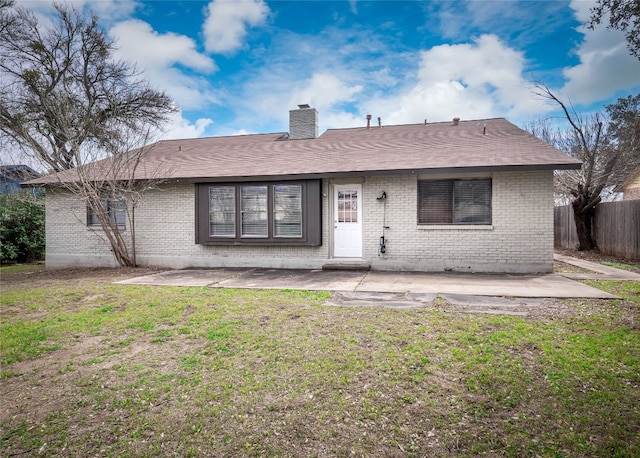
<point>117,210</point>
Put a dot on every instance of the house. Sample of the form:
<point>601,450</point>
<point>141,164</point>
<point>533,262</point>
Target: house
<point>12,175</point>
<point>473,196</point>
<point>631,186</point>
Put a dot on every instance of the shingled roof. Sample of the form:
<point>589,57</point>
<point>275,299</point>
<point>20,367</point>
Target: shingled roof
<point>487,145</point>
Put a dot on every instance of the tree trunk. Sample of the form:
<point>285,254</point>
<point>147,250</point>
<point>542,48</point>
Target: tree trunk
<point>132,230</point>
<point>583,217</point>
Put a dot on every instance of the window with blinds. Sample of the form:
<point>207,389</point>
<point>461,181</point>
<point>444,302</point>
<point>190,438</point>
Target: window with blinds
<point>254,211</point>
<point>222,211</point>
<point>454,202</point>
<point>285,213</point>
<point>116,208</point>
<point>287,210</point>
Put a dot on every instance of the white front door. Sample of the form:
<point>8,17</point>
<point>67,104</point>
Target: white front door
<point>347,219</point>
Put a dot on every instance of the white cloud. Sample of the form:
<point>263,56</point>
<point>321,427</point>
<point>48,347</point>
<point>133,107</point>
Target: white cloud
<point>476,80</point>
<point>329,70</point>
<point>151,49</point>
<point>160,56</point>
<point>323,91</point>
<point>179,127</point>
<point>109,10</point>
<point>328,94</point>
<point>605,67</point>
<point>353,6</point>
<point>227,22</point>
<point>106,10</point>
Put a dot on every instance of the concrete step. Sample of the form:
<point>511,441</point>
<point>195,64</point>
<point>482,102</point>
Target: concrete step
<point>346,264</point>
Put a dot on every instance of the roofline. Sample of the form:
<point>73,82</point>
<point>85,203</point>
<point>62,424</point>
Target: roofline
<point>19,167</point>
<point>426,123</point>
<point>355,173</point>
<point>361,173</point>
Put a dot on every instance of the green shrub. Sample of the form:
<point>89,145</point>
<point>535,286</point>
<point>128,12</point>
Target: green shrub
<point>22,234</point>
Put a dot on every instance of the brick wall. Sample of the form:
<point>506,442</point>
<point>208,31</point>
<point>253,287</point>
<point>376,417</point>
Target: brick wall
<point>519,240</point>
<point>165,236</point>
<point>70,242</point>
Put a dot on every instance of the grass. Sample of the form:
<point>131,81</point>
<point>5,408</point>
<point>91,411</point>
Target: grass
<point>93,368</point>
<point>13,268</point>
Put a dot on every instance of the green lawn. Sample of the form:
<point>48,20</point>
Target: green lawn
<point>90,368</point>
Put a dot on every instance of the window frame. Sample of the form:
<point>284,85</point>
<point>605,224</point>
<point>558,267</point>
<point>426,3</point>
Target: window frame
<point>114,206</point>
<point>451,205</point>
<point>310,214</point>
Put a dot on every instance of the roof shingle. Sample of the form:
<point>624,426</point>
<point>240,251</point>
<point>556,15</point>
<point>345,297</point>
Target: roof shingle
<point>421,148</point>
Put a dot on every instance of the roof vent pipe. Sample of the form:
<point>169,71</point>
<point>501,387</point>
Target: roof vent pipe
<point>456,121</point>
<point>379,122</point>
<point>368,121</point>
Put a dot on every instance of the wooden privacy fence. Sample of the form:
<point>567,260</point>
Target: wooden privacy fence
<point>616,228</point>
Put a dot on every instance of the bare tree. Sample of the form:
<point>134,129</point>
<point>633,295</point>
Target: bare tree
<point>608,146</point>
<point>111,189</point>
<point>67,102</point>
<point>6,18</point>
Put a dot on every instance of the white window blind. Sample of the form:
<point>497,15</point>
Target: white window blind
<point>222,211</point>
<point>472,202</point>
<point>254,209</point>
<point>287,210</point>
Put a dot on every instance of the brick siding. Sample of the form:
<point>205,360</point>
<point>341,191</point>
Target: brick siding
<point>519,240</point>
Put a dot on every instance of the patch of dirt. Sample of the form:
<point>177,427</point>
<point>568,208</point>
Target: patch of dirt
<point>547,308</point>
<point>564,268</point>
<point>43,277</point>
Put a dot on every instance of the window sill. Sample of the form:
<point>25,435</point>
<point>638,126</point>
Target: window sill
<point>456,227</point>
<point>99,228</point>
<point>260,242</point>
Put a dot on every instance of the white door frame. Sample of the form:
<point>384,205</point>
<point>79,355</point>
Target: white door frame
<point>347,222</point>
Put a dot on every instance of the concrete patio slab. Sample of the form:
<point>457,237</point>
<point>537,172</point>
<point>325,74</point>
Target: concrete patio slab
<point>550,285</point>
<point>313,280</point>
<point>406,288</point>
<point>195,277</point>
<point>484,301</point>
<point>372,299</point>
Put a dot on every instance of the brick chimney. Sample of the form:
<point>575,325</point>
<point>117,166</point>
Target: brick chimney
<point>303,123</point>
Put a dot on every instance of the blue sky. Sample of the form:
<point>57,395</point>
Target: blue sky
<point>236,67</point>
